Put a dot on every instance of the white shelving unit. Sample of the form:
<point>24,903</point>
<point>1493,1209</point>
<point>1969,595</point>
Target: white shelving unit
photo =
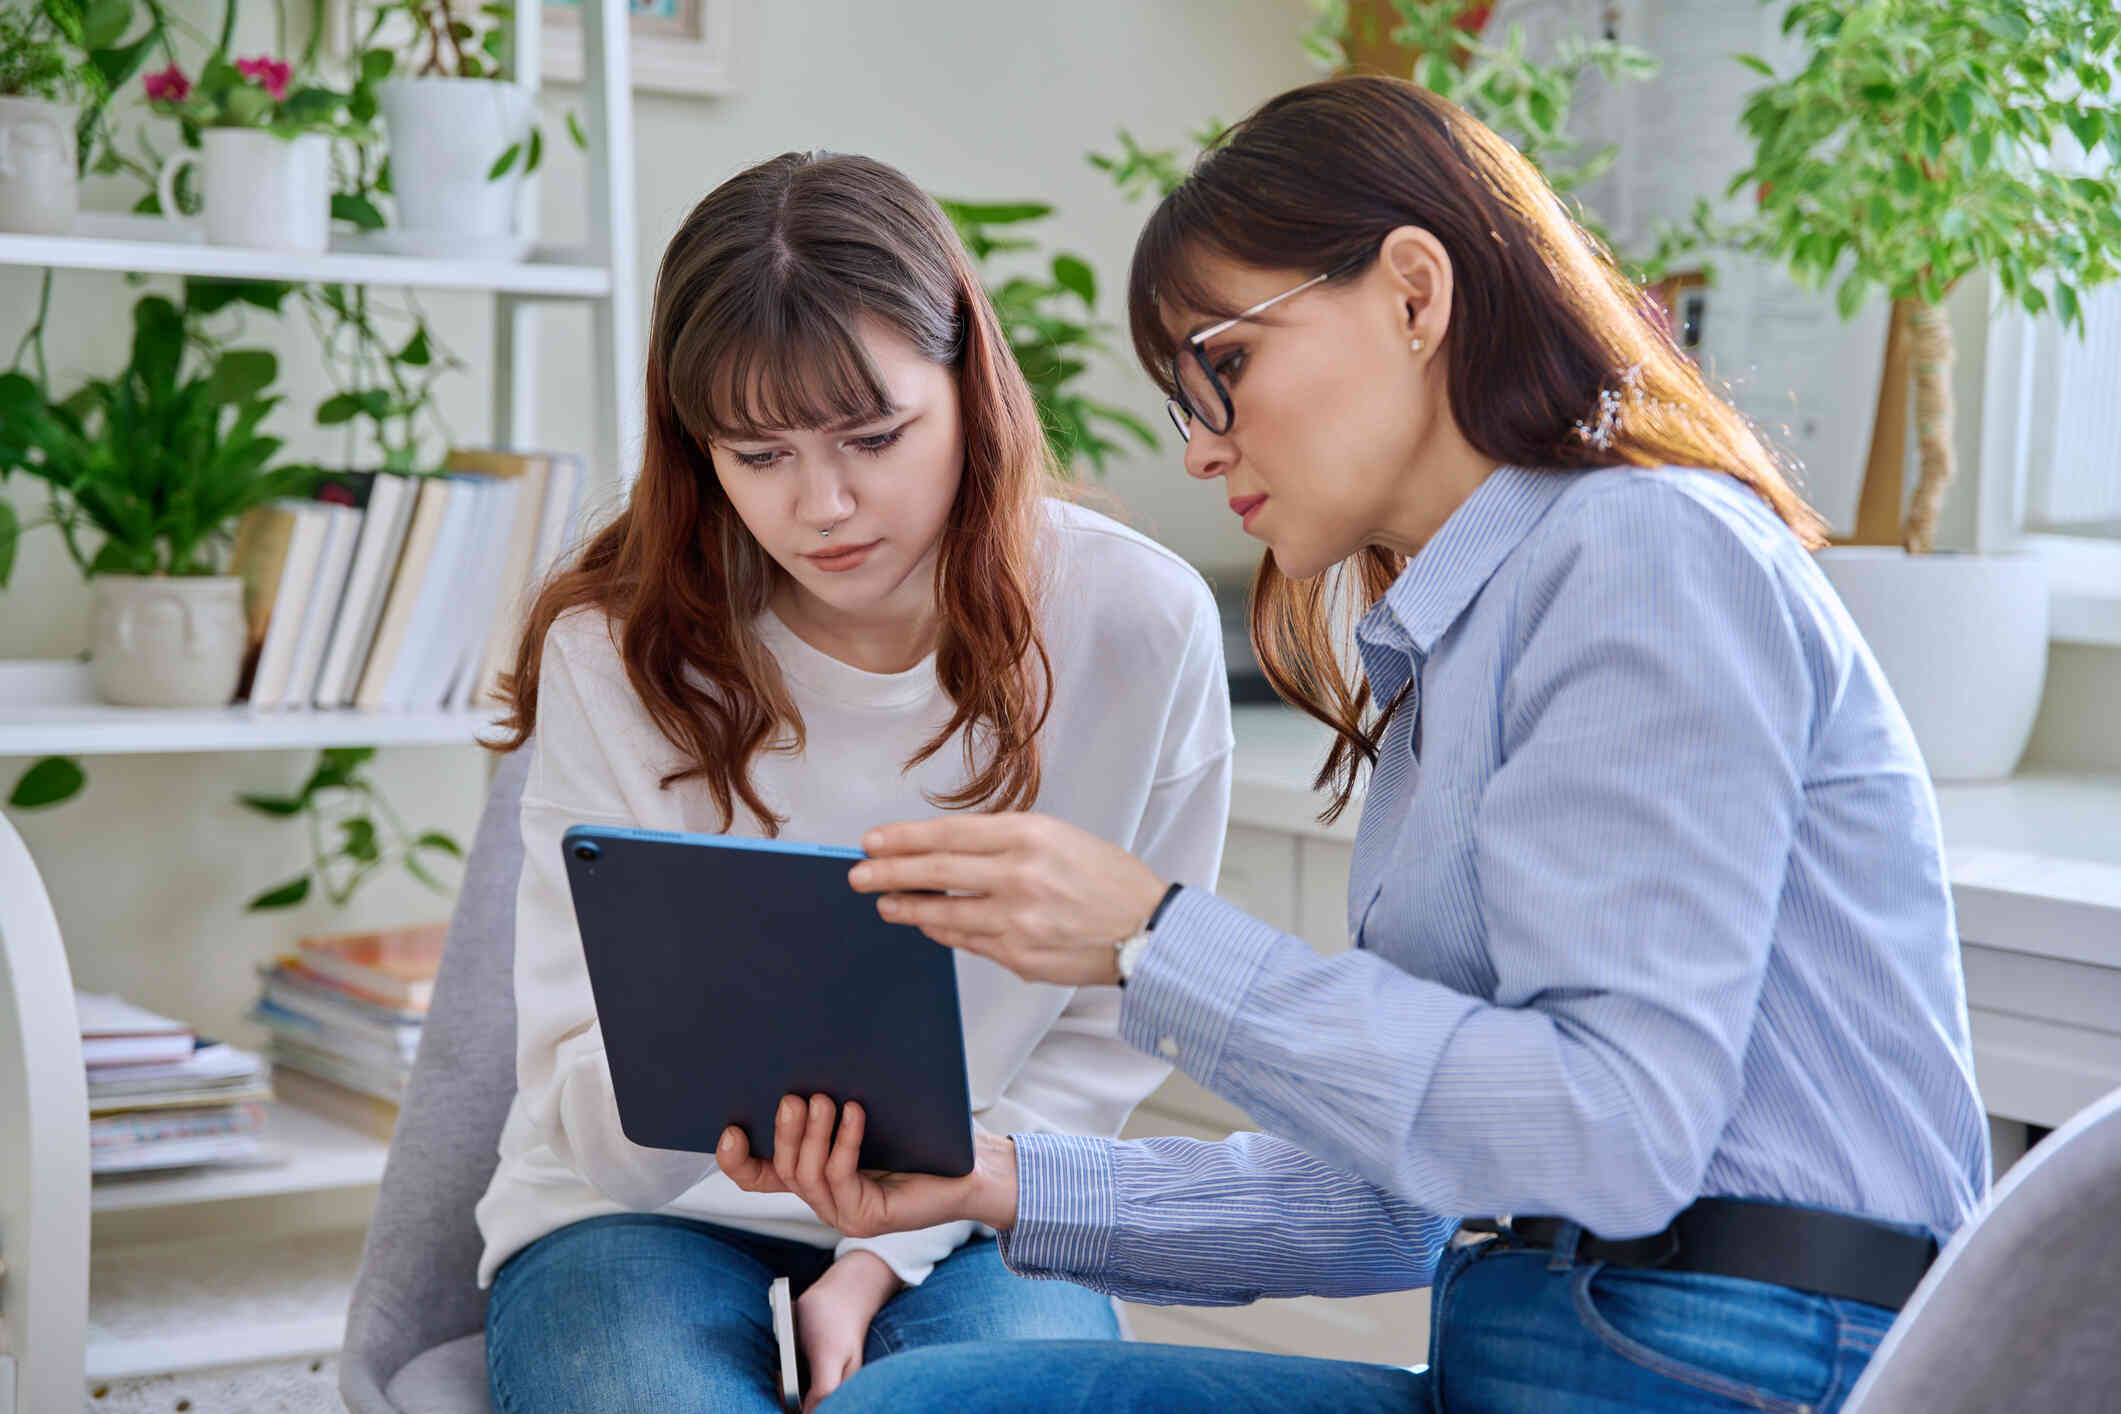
<point>70,1313</point>
<point>305,1152</point>
<point>551,272</point>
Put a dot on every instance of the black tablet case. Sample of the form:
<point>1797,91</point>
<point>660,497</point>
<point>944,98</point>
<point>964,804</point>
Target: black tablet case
<point>729,972</point>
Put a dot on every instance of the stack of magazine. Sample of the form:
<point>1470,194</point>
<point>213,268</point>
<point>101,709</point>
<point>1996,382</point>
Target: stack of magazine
<point>345,1013</point>
<point>161,1097</point>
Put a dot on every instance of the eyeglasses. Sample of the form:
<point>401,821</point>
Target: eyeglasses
<point>1200,394</point>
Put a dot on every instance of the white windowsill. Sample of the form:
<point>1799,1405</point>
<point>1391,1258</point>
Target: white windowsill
<point>2085,588</point>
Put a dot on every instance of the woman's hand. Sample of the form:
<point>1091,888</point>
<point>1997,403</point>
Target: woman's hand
<point>810,1163</point>
<point>1043,898</point>
<point>832,1319</point>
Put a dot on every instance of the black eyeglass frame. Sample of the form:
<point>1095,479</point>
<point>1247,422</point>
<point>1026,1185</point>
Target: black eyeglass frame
<point>1179,408</point>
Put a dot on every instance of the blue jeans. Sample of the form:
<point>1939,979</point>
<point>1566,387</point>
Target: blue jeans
<point>642,1311</point>
<point>1513,1330</point>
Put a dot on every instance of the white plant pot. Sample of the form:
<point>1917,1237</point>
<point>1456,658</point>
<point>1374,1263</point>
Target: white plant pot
<point>445,136</point>
<point>163,641</point>
<point>261,191</point>
<point>1962,640</point>
<point>40,190</point>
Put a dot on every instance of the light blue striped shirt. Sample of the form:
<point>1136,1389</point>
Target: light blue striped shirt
<point>1649,904</point>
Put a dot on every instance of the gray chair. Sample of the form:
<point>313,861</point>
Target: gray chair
<point>415,1334</point>
<point>2022,1311</point>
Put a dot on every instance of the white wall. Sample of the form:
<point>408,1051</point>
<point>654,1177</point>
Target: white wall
<point>150,868</point>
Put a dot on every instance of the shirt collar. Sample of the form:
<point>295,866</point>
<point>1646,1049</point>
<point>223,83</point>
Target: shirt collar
<point>1444,576</point>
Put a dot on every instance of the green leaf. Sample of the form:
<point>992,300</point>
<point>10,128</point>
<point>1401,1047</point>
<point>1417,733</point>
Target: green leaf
<point>49,782</point>
<point>419,871</point>
<point>105,23</point>
<point>537,151</point>
<point>276,805</point>
<point>2010,28</point>
<point>435,839</point>
<point>119,65</point>
<point>242,374</point>
<point>2067,308</point>
<point>376,65</point>
<point>248,106</point>
<point>336,768</point>
<point>1849,298</point>
<point>416,351</point>
<point>338,408</point>
<point>350,206</point>
<point>2089,124</point>
<point>10,536</point>
<point>504,162</point>
<point>996,213</point>
<point>1757,64</point>
<point>286,895</point>
<point>1960,108</point>
<point>360,841</point>
<point>1072,273</point>
<point>574,130</point>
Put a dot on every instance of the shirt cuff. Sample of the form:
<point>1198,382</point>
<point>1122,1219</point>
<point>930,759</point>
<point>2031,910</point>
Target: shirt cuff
<point>912,1256</point>
<point>1191,981</point>
<point>1064,1206</point>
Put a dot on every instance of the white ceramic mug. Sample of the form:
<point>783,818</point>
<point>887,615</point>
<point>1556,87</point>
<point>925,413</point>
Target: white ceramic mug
<point>261,191</point>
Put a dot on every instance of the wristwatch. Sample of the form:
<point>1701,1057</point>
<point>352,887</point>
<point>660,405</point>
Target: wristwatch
<point>1127,952</point>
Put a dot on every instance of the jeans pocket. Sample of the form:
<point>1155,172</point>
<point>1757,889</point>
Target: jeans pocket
<point>1691,1319</point>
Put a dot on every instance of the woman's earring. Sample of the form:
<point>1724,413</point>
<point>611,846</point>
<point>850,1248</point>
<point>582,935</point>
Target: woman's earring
<point>1415,343</point>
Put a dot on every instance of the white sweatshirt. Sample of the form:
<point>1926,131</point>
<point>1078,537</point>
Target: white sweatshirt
<point>1136,749</point>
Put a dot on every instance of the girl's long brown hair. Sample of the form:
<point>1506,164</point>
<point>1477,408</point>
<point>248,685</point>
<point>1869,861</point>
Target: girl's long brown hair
<point>754,328</point>
<point>1542,322</point>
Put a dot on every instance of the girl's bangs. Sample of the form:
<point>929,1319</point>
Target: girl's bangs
<point>781,365</point>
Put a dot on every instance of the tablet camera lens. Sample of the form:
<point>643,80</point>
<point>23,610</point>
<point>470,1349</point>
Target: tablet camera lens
<point>587,853</point>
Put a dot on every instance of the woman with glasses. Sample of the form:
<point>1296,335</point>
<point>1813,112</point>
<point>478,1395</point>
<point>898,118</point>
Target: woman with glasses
<point>1651,1057</point>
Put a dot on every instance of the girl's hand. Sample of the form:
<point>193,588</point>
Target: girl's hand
<point>1043,898</point>
<point>832,1319</point>
<point>811,1163</point>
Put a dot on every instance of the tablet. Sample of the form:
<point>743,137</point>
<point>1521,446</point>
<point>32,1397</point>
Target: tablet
<point>729,972</point>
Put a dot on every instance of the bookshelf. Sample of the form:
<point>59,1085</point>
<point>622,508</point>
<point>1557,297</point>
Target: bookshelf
<point>551,272</point>
<point>72,1310</point>
<point>51,709</point>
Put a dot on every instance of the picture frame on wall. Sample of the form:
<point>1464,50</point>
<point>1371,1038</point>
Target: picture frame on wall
<point>679,46</point>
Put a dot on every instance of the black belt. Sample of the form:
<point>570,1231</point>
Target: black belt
<point>1829,1254</point>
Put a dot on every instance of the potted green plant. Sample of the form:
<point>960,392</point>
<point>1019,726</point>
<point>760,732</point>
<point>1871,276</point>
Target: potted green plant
<point>1050,319</point>
<point>341,808</point>
<point>462,132</point>
<point>59,62</point>
<point>261,130</point>
<point>1919,145</point>
<point>147,473</point>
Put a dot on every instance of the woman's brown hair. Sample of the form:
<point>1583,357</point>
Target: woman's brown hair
<point>1542,323</point>
<point>753,330</point>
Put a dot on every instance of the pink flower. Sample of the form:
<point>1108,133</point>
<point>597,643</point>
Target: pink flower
<point>170,84</point>
<point>271,74</point>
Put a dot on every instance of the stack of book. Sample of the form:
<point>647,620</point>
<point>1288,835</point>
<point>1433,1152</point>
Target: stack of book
<point>401,593</point>
<point>345,1014</point>
<point>161,1097</point>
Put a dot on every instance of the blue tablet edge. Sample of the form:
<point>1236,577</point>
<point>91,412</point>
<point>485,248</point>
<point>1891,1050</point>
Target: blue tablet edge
<point>628,832</point>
